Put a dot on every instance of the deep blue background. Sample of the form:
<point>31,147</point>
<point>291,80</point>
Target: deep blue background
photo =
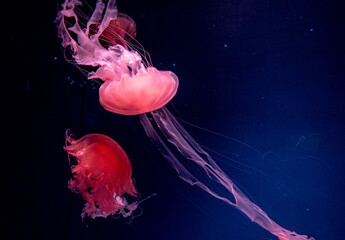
<point>267,73</point>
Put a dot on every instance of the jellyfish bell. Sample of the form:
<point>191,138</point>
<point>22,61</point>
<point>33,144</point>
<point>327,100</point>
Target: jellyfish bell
<point>146,91</point>
<point>119,31</point>
<point>102,175</point>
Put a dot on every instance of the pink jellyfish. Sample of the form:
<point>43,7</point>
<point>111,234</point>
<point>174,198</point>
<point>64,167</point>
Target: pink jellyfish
<point>129,87</point>
<point>102,175</point>
<point>132,86</point>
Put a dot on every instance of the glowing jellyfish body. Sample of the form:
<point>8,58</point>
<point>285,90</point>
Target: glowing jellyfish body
<point>131,86</point>
<point>144,92</point>
<point>102,175</point>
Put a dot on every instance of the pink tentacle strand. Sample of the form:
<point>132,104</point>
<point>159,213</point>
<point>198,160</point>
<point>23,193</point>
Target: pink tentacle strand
<point>169,135</point>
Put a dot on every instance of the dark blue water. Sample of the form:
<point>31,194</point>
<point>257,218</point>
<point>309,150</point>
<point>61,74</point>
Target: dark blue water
<point>266,73</point>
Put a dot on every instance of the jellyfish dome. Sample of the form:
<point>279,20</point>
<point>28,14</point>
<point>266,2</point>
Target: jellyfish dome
<point>144,92</point>
<point>102,175</point>
<point>119,31</point>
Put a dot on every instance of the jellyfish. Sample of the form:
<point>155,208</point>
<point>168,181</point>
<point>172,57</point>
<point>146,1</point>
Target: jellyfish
<point>132,86</point>
<point>119,31</point>
<point>102,175</point>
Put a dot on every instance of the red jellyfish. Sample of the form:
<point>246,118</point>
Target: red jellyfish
<point>119,31</point>
<point>102,175</point>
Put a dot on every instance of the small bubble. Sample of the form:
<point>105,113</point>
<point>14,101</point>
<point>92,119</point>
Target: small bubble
<point>55,58</point>
<point>174,64</point>
<point>312,29</point>
<point>225,45</point>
